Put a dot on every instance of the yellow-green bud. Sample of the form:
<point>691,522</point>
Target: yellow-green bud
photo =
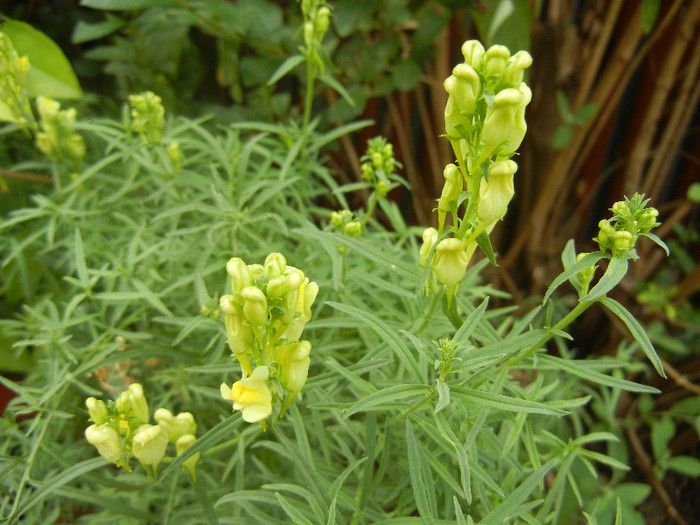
<point>254,305</point>
<point>504,124</point>
<point>473,53</point>
<point>353,229</point>
<point>515,67</point>
<point>321,23</point>
<point>240,275</point>
<point>294,361</point>
<point>454,184</point>
<point>450,263</point>
<point>106,440</point>
<point>585,277</point>
<point>275,265</point>
<point>496,60</point>
<point>182,444</point>
<point>430,236</point>
<point>175,426</point>
<point>495,194</point>
<point>150,442</point>
<point>132,403</point>
<point>97,409</point>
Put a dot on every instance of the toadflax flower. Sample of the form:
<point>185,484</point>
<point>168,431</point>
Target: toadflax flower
<point>106,440</point>
<point>251,395</point>
<point>150,442</point>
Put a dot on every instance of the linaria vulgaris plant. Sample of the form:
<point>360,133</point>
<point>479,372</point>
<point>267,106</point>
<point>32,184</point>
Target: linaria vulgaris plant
<point>370,381</point>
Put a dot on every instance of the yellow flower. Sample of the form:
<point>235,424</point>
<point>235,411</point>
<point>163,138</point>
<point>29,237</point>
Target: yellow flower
<point>495,194</point>
<point>251,395</point>
<point>106,440</point>
<point>175,426</point>
<point>150,442</point>
<point>294,364</point>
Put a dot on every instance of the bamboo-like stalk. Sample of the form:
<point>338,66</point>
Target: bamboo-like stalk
<point>665,80</point>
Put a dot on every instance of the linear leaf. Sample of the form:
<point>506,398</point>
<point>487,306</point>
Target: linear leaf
<point>285,68</point>
<point>617,269</point>
<point>292,512</point>
<point>573,367</point>
<point>386,397</point>
<point>419,482</point>
<point>501,402</point>
<point>387,334</point>
<point>637,332</point>
<point>586,262</point>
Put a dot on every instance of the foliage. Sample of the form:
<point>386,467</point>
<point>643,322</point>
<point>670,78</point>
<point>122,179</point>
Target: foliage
<point>417,408</point>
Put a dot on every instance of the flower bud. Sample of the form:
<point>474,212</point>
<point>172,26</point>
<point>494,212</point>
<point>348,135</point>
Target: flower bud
<point>464,89</point>
<point>150,442</point>
<point>275,265</point>
<point>584,277</point>
<point>239,335</point>
<point>182,444</point>
<point>132,403</point>
<point>496,60</point>
<point>452,189</point>
<point>175,426</point>
<point>473,53</point>
<point>430,236</point>
<point>106,440</point>
<point>97,409</point>
<point>294,364</point>
<point>495,194</point>
<point>504,124</point>
<point>254,305</point>
<point>240,275</point>
<point>353,229</point>
<point>622,242</point>
<point>321,23</point>
<point>251,395</point>
<point>515,67</point>
<point>450,263</point>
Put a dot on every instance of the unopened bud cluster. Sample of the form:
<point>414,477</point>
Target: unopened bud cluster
<point>57,138</point>
<point>147,116</point>
<point>378,165</point>
<point>344,221</point>
<point>317,17</point>
<point>631,219</point>
<point>122,429</point>
<point>264,316</point>
<point>485,124</point>
<point>14,103</point>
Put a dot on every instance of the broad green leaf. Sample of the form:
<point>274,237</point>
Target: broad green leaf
<point>387,397</point>
<point>617,269</point>
<point>86,32</point>
<point>637,332</point>
<point>686,465</point>
<point>633,493</point>
<point>50,74</point>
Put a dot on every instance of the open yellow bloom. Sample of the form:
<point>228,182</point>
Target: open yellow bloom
<point>251,395</point>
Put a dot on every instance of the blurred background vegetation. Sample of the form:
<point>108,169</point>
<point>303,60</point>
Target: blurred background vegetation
<point>615,111</point>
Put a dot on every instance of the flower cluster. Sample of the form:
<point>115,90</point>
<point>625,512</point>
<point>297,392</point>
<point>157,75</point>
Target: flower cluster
<point>631,219</point>
<point>345,222</point>
<point>485,124</point>
<point>378,165</point>
<point>57,138</point>
<point>122,429</point>
<point>317,17</point>
<point>14,103</point>
<point>147,116</point>
<point>264,315</point>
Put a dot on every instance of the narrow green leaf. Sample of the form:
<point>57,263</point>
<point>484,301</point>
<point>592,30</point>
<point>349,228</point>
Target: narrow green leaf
<point>501,402</point>
<point>80,265</point>
<point>637,332</point>
<point>292,512</point>
<point>387,334</point>
<point>50,74</point>
<point>617,269</point>
<point>125,5</point>
<point>285,68</point>
<point>471,322</point>
<point>443,390</point>
<point>658,241</point>
<point>586,262</point>
<point>47,488</point>
<point>420,483</point>
<point>387,397</point>
<point>574,367</point>
<point>509,507</point>
<point>484,243</point>
<point>337,86</point>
